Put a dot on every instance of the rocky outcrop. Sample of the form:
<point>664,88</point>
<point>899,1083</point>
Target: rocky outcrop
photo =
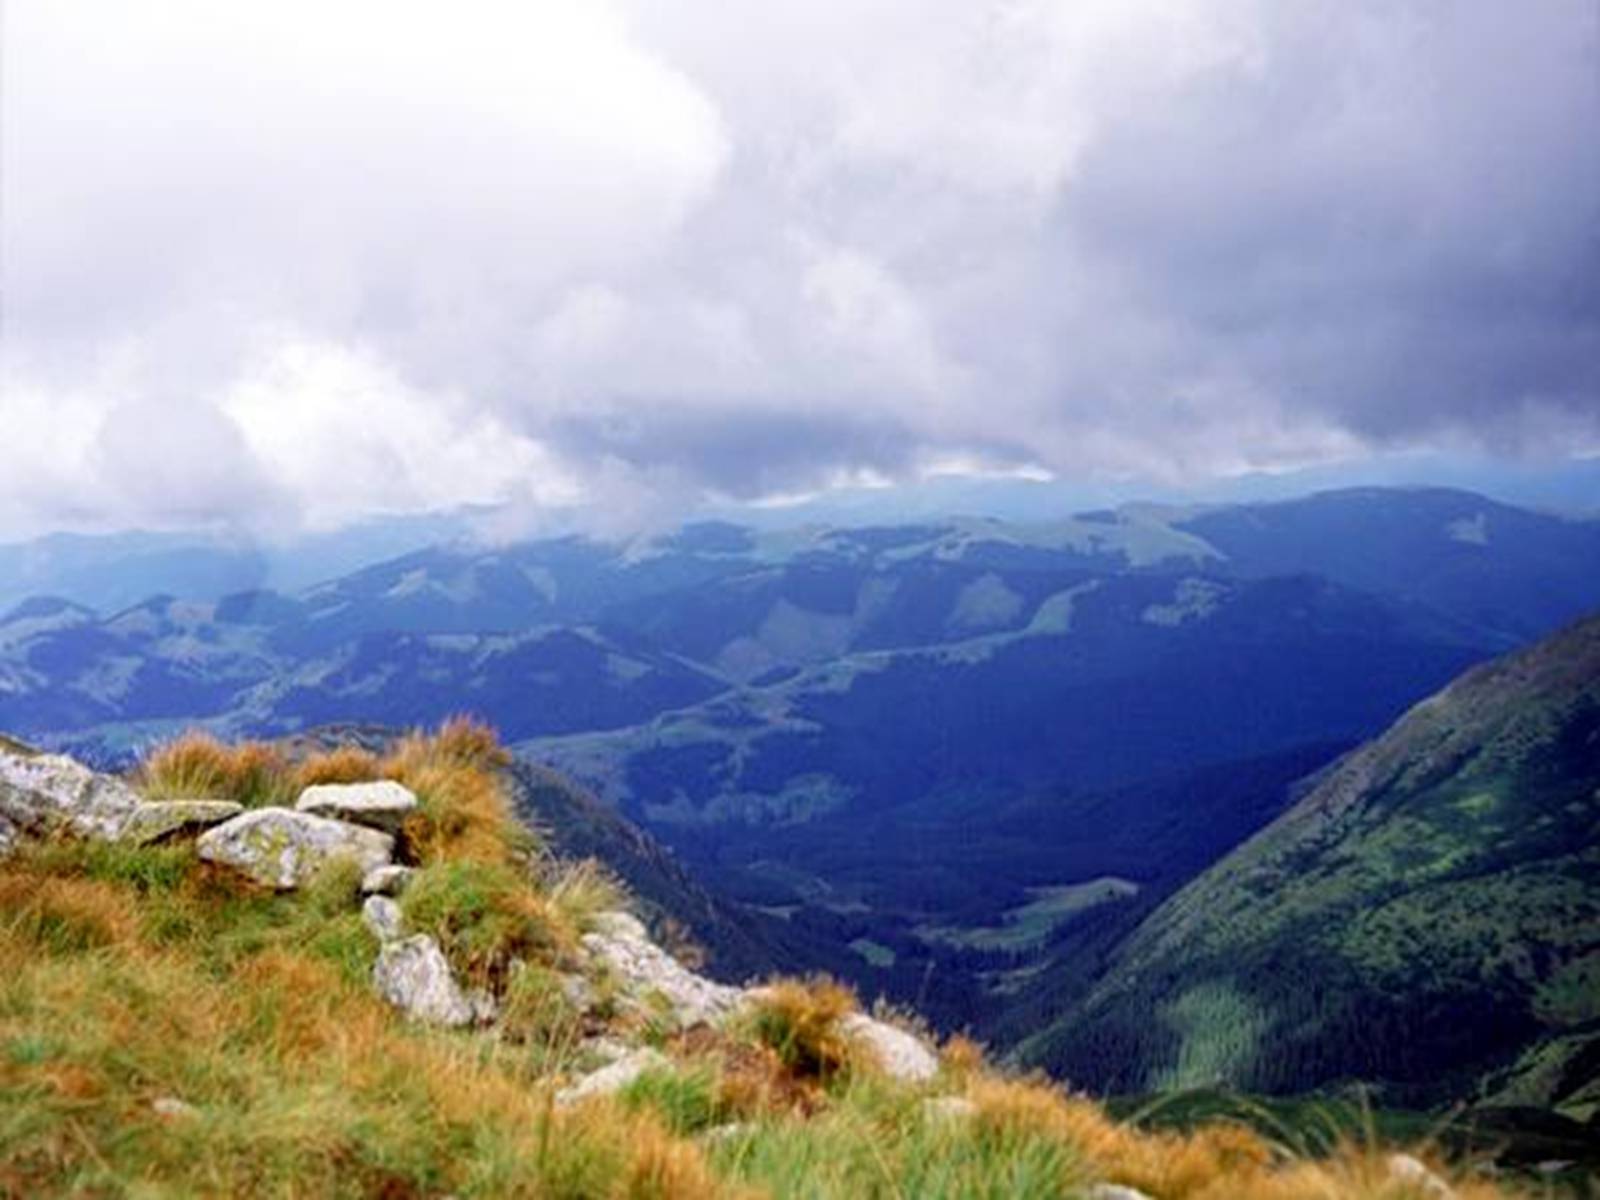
<point>899,1054</point>
<point>160,820</point>
<point>282,848</point>
<point>42,794</point>
<point>648,975</point>
<point>382,804</point>
<point>285,848</point>
<point>414,976</point>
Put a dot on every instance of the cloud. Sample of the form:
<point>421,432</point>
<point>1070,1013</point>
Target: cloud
<point>323,261</point>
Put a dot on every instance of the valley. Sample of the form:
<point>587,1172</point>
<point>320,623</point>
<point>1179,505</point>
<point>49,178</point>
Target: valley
<point>970,766</point>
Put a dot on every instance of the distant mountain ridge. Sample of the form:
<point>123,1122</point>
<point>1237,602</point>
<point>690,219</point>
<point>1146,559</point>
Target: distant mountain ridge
<point>715,606</point>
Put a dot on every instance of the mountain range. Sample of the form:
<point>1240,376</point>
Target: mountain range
<point>964,763</point>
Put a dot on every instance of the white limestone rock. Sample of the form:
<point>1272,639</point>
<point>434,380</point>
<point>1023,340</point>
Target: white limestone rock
<point>414,976</point>
<point>282,848</point>
<point>383,916</point>
<point>1415,1173</point>
<point>49,793</point>
<point>613,1077</point>
<point>902,1055</point>
<point>386,881</point>
<point>382,804</point>
<point>159,820</point>
<point>644,970</point>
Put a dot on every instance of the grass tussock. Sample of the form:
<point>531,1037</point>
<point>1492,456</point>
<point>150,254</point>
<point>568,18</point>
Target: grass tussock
<point>342,764</point>
<point>485,917</point>
<point>198,766</point>
<point>456,771</point>
<point>580,890</point>
<point>798,1020</point>
<point>463,811</point>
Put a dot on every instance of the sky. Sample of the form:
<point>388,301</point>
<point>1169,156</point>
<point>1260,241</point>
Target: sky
<point>287,266</point>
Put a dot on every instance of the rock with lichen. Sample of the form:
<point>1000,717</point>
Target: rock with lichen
<point>282,848</point>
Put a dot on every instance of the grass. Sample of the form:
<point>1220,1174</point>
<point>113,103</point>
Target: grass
<point>799,1021</point>
<point>166,1028</point>
<point>197,766</point>
<point>485,917</point>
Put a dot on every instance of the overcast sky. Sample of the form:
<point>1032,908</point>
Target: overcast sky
<point>287,264</point>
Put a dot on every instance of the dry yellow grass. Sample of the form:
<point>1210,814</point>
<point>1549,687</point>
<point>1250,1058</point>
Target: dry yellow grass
<point>342,764</point>
<point>464,812</point>
<point>196,765</point>
<point>799,1020</point>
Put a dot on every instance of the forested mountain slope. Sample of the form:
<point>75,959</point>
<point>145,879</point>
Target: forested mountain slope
<point>1427,918</point>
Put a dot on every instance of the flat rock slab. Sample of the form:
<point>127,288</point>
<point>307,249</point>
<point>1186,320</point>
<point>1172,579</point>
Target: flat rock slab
<point>382,804</point>
<point>282,848</point>
<point>50,793</point>
<point>159,820</point>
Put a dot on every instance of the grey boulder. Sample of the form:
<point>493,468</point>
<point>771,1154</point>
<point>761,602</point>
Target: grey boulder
<point>382,804</point>
<point>50,793</point>
<point>414,976</point>
<point>383,917</point>
<point>902,1055</point>
<point>162,819</point>
<point>282,848</point>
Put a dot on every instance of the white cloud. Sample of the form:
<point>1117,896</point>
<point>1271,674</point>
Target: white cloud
<point>614,256</point>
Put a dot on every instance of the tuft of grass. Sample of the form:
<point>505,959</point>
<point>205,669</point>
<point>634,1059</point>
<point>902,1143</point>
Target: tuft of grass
<point>799,1021</point>
<point>537,1015</point>
<point>468,742</point>
<point>342,764</point>
<point>961,1058</point>
<point>687,1101</point>
<point>485,916</point>
<point>197,766</point>
<point>579,890</point>
<point>463,812</point>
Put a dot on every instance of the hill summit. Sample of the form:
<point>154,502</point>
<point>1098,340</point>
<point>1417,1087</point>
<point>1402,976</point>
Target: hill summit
<point>238,972</point>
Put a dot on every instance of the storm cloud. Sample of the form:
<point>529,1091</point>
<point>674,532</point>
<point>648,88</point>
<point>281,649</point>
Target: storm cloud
<point>293,264</point>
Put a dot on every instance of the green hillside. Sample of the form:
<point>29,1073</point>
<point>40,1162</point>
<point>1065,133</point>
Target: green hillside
<point>1427,918</point>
